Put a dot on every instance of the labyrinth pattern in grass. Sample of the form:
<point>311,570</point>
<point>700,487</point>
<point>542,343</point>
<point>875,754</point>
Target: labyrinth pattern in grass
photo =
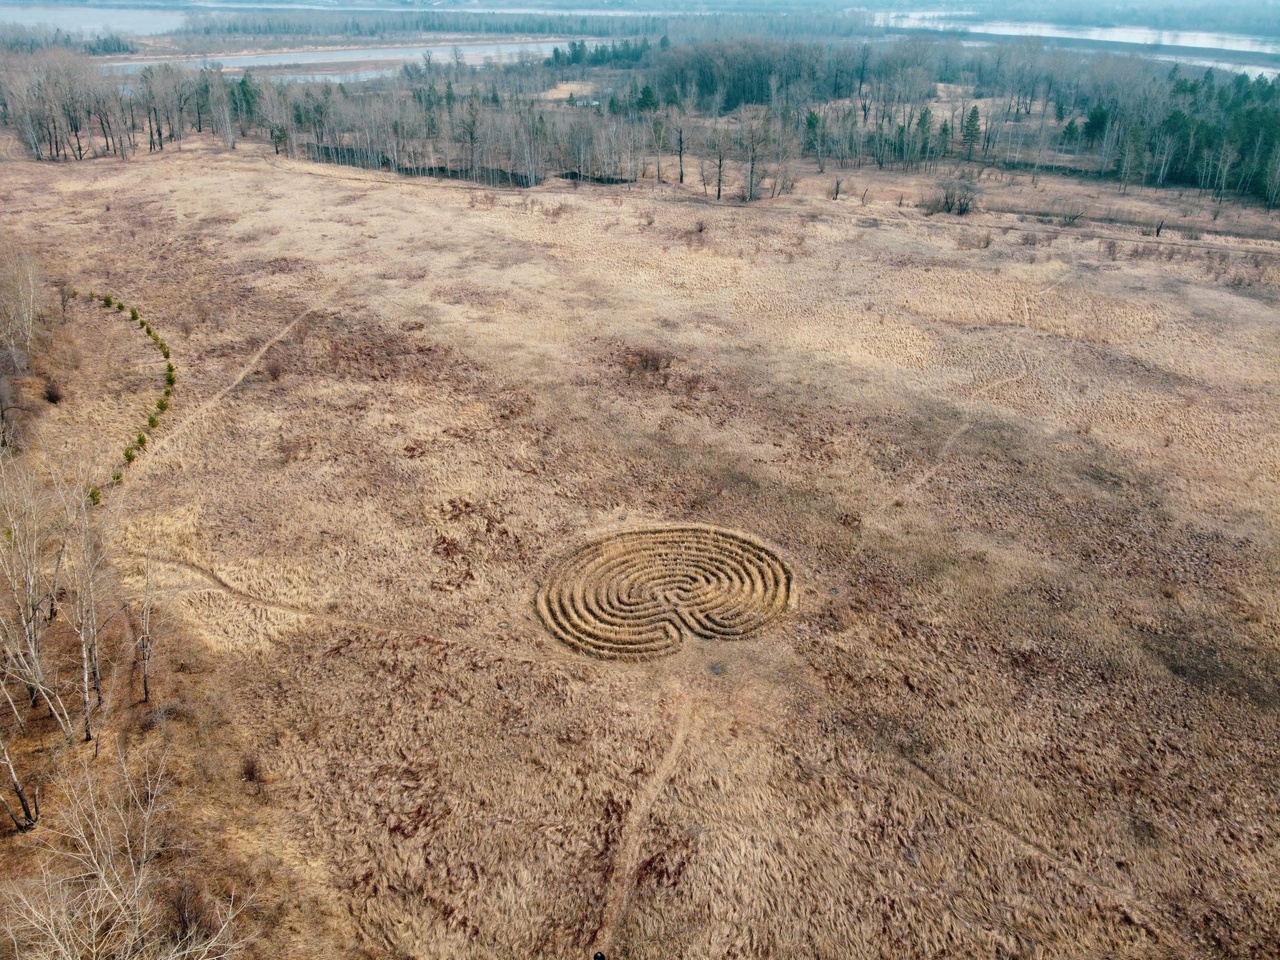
<point>642,593</point>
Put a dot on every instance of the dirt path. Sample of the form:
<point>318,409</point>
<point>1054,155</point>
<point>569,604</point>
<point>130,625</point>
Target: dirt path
<point>634,825</point>
<point>215,582</point>
<point>944,452</point>
<point>208,405</point>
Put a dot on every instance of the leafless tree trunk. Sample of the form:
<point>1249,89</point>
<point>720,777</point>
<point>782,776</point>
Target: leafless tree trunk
<point>659,130</point>
<point>753,137</point>
<point>28,813</point>
<point>146,627</point>
<point>720,145</point>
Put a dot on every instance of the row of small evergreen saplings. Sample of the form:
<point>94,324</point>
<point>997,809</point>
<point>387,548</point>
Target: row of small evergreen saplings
<point>162,403</point>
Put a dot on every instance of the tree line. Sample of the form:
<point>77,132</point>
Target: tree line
<point>17,38</point>
<point>740,115</point>
<point>332,25</point>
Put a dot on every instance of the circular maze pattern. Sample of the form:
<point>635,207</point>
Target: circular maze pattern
<point>642,593</point>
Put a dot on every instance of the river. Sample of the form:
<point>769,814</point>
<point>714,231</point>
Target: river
<point>1138,36</point>
<point>331,63</point>
<point>1223,51</point>
<point>93,19</point>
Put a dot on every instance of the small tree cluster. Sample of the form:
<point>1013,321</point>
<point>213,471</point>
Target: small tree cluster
<point>170,379</point>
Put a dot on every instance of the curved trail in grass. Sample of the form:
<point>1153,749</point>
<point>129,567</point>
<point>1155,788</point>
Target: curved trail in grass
<point>1127,900</point>
<point>11,150</point>
<point>944,452</point>
<point>217,583</point>
<point>222,394</point>
<point>622,875</point>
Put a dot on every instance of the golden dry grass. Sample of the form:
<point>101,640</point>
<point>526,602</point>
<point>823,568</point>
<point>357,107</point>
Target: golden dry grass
<point>1025,703</point>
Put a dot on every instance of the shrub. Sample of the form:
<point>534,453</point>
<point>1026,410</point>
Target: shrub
<point>164,350</point>
<point>117,476</point>
<point>120,306</point>
<point>95,496</point>
<point>106,299</point>
<point>52,391</point>
<point>162,404</point>
<point>92,295</point>
<point>275,367</point>
<point>168,391</point>
<point>170,378</point>
<point>133,313</point>
<point>953,196</point>
<point>141,441</point>
<point>129,454</point>
<point>152,422</point>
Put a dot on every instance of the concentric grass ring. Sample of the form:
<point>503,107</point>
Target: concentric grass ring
<point>643,593</point>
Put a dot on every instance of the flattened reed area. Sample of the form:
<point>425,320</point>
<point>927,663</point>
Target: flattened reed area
<point>642,593</point>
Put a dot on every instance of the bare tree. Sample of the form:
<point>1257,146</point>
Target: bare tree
<point>753,140</point>
<point>10,406</point>
<point>19,296</point>
<point>31,559</point>
<point>678,127</point>
<point>1273,179</point>
<point>100,890</point>
<point>89,589</point>
<point>658,130</point>
<point>220,107</point>
<point>146,625</point>
<point>719,146</point>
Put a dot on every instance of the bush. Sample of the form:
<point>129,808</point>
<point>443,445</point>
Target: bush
<point>92,295</point>
<point>53,392</point>
<point>106,299</point>
<point>117,477</point>
<point>133,313</point>
<point>953,196</point>
<point>162,404</point>
<point>152,422</point>
<point>120,306</point>
<point>141,441</point>
<point>95,496</point>
<point>129,454</point>
<point>164,350</point>
<point>275,367</point>
<point>168,391</point>
<point>170,375</point>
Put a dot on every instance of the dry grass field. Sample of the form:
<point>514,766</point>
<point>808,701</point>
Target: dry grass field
<point>1024,697</point>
